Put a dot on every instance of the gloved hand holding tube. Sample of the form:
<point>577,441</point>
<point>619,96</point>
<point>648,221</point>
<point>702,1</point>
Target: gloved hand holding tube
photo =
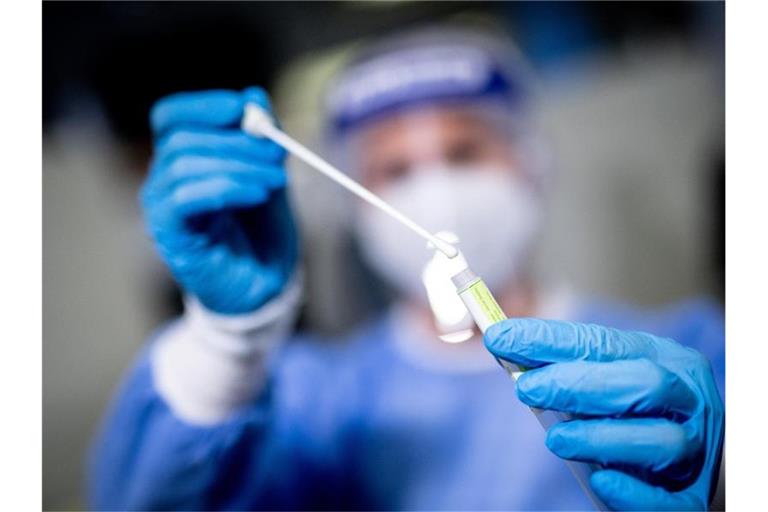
<point>215,201</point>
<point>648,410</point>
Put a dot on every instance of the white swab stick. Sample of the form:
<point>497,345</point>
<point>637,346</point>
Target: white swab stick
<point>258,122</point>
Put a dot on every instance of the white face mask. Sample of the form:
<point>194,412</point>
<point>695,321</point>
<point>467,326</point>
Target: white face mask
<point>495,215</point>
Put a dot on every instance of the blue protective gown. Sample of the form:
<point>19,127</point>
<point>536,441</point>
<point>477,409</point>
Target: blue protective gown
<point>356,426</point>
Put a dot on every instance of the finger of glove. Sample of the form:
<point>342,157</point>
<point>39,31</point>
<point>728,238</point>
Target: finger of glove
<point>627,387</point>
<point>620,491</point>
<point>186,168</point>
<point>220,143</point>
<point>654,444</point>
<point>207,195</point>
<point>216,108</point>
<point>532,342</point>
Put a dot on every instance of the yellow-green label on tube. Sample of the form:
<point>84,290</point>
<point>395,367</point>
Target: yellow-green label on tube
<point>483,296</point>
<point>481,304</point>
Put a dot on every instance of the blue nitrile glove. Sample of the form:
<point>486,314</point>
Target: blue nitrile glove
<point>215,201</point>
<point>648,408</point>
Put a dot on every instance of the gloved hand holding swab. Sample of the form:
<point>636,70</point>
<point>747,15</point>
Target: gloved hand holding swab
<point>259,123</point>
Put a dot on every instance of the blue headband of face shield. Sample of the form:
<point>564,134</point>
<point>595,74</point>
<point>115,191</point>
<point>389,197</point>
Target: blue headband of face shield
<point>419,76</point>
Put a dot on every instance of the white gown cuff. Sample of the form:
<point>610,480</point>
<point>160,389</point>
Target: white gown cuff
<point>207,365</point>
<point>249,332</point>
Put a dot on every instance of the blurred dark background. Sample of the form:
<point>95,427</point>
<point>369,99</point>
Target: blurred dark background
<point>631,93</point>
<point>155,48</point>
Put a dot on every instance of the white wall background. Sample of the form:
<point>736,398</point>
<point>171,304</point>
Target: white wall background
<point>633,143</point>
<point>98,307</point>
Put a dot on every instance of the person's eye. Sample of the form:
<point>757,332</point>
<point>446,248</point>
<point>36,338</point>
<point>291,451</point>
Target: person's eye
<point>394,171</point>
<point>464,152</point>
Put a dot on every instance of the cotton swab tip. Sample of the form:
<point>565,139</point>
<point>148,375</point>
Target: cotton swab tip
<point>256,119</point>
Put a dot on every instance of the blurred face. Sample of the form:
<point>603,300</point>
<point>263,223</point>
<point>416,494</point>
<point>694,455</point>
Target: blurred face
<point>449,169</point>
<point>394,148</point>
